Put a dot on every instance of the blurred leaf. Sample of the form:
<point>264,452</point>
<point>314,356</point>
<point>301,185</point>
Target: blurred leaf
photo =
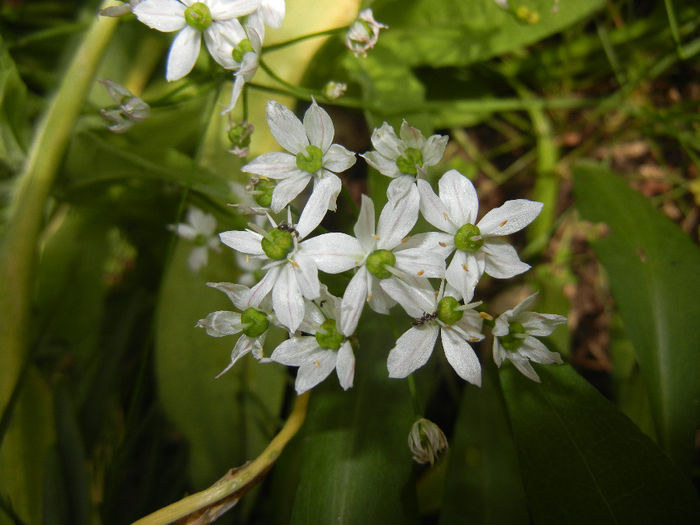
<point>448,33</point>
<point>25,450</point>
<point>14,128</point>
<point>355,465</point>
<point>226,420</point>
<point>652,268</point>
<point>483,466</point>
<point>582,461</point>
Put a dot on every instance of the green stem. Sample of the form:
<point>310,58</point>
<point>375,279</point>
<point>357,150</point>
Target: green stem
<point>19,244</point>
<point>233,486</point>
<point>298,39</point>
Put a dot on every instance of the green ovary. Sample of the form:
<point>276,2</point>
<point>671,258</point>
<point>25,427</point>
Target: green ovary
<point>328,336</point>
<point>198,16</point>
<point>277,244</point>
<point>407,162</point>
<point>468,238</point>
<point>447,310</point>
<point>511,341</point>
<point>377,263</point>
<point>312,161</point>
<point>243,47</point>
<point>255,322</point>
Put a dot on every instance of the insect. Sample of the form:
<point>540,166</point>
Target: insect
<point>424,319</point>
<point>288,228</point>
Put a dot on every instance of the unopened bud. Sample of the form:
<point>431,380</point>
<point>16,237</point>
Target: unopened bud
<point>426,441</point>
<point>333,89</point>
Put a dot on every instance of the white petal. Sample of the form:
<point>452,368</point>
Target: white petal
<point>510,217</point>
<point>412,350</point>
<point>322,199</point>
<point>377,298</point>
<point>307,276</point>
<point>204,223</point>
<point>274,165</point>
<point>186,231</point>
<point>464,281</point>
<point>237,293</point>
<point>521,307</point>
<point>295,351</point>
<point>436,242</point>
<point>421,263</point>
<point>461,356</point>
<point>238,83</point>
<point>260,290</point>
<point>501,259</point>
<point>198,258</point>
<point>353,301</point>
<point>313,372</point>
<point>244,241</point>
<point>535,350</point>
<point>459,196</point>
<point>319,127</point>
<point>364,227</point>
<point>221,38</point>
<point>499,353</point>
<point>333,252</point>
<point>313,317</point>
<point>471,325</point>
<point>434,149</point>
<point>412,137</point>
<point>287,300</point>
<point>433,209</point>
<point>163,15</point>
<point>183,53</point>
<point>243,346</point>
<point>400,187</point>
<point>273,12</point>
<point>380,163</point>
<point>345,365</point>
<point>287,189</point>
<point>397,220</point>
<point>337,159</point>
<point>286,128</point>
<point>386,142</point>
<point>540,325</point>
<point>221,323</point>
<point>416,296</point>
<point>525,368</point>
<point>223,10</point>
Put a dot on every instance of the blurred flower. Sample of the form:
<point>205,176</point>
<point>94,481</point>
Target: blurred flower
<point>131,109</point>
<point>119,10</point>
<point>363,33</point>
<point>404,157</point>
<point>333,89</point>
<point>212,18</point>
<point>426,441</point>
<point>311,157</point>
<point>515,333</point>
<point>199,229</point>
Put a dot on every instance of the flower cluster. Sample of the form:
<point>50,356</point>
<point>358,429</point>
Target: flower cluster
<point>233,44</point>
<point>387,264</point>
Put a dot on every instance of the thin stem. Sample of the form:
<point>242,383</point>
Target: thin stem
<point>233,486</point>
<point>18,249</point>
<point>286,43</point>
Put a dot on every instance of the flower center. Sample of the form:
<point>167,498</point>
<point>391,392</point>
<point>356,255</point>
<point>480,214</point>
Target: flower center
<point>198,16</point>
<point>378,260</point>
<point>511,341</point>
<point>277,244</point>
<point>409,162</point>
<point>312,161</point>
<point>447,310</point>
<point>200,239</point>
<point>243,47</point>
<point>264,197</point>
<point>255,322</point>
<point>327,336</point>
<point>468,238</point>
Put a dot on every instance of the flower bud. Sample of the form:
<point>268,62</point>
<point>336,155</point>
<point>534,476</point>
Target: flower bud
<point>333,89</point>
<point>239,135</point>
<point>363,33</point>
<point>426,441</point>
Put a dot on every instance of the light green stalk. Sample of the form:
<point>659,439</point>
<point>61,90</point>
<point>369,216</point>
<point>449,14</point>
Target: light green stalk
<point>19,243</point>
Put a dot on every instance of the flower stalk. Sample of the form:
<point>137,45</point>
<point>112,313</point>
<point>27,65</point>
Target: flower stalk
<point>20,238</point>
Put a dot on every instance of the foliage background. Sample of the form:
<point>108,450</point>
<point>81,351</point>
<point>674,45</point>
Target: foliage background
<point>592,109</point>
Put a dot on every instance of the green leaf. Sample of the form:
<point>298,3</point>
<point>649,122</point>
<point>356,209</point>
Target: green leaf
<point>483,466</point>
<point>652,269</point>
<point>448,33</point>
<point>583,461</point>
<point>226,420</point>
<point>14,126</point>
<point>356,467</point>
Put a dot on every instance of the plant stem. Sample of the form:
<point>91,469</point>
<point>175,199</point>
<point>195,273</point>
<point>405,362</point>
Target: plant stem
<point>298,39</point>
<point>233,486</point>
<point>19,243</point>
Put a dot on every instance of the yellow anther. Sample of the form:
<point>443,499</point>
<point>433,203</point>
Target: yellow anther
<point>294,263</point>
<point>318,365</point>
<point>486,316</point>
<point>464,267</point>
<point>375,236</point>
<point>504,223</point>
<point>443,244</point>
<point>421,273</point>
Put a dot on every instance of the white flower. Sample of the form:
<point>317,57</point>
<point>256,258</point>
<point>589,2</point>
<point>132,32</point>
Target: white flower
<point>319,354</point>
<point>434,313</point>
<point>380,256</point>
<point>405,158</point>
<point>199,229</point>
<point>272,12</point>
<point>291,275</point>
<point>311,156</point>
<point>214,18</point>
<point>478,247</point>
<point>515,333</point>
<point>333,90</point>
<point>252,321</point>
<point>363,33</point>
<point>130,108</point>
